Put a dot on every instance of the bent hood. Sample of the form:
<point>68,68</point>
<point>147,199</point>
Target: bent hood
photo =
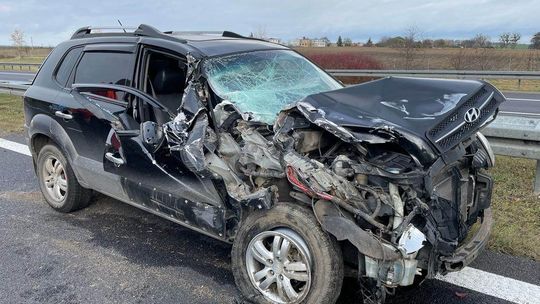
<point>444,112</point>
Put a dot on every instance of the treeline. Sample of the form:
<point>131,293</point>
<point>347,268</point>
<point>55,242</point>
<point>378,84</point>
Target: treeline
<point>505,40</point>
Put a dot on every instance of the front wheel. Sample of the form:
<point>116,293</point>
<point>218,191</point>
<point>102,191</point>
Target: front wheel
<point>58,182</point>
<point>282,255</point>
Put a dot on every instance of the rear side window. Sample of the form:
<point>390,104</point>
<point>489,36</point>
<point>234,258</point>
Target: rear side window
<point>105,67</point>
<point>66,66</point>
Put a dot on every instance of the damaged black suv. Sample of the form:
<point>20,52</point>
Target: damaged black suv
<point>250,143</point>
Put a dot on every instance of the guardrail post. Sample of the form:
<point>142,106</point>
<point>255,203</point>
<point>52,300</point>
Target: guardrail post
<point>537,178</point>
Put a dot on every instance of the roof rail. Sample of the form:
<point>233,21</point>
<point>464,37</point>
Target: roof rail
<point>228,34</point>
<point>142,30</point>
<point>87,30</point>
<point>194,33</point>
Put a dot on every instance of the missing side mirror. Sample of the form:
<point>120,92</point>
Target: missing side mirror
<point>151,134</point>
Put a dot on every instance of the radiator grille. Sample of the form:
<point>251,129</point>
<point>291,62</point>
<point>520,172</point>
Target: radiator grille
<point>453,129</point>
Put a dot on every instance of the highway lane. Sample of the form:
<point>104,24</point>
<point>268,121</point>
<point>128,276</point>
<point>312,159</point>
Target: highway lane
<point>112,252</point>
<point>522,102</point>
<point>16,76</point>
<point>518,102</point>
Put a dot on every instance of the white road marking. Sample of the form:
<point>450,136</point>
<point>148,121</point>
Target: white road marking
<point>494,285</point>
<point>474,279</point>
<point>523,99</point>
<point>519,113</point>
<point>15,147</point>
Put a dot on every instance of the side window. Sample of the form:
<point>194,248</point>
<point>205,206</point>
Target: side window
<point>105,67</point>
<point>108,68</point>
<point>66,66</point>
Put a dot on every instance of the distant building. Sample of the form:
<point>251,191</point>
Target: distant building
<point>305,42</point>
<point>275,40</point>
<point>294,43</point>
<point>318,43</point>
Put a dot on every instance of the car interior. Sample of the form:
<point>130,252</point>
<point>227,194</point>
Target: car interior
<point>164,79</point>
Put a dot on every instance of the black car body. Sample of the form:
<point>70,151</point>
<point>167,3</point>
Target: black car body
<point>190,128</point>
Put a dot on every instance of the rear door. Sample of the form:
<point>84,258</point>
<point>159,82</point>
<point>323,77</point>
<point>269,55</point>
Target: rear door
<point>102,63</point>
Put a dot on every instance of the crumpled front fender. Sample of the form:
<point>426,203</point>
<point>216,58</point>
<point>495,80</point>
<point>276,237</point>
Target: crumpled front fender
<point>344,228</point>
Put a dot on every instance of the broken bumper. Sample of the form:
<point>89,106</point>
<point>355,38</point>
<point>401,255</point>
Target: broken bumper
<point>468,252</point>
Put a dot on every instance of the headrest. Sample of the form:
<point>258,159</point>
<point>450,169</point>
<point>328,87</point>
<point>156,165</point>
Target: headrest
<point>169,80</point>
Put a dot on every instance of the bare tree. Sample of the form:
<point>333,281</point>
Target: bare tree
<point>409,47</point>
<point>483,52</point>
<point>514,39</point>
<point>504,40</point>
<point>18,40</point>
<point>260,32</point>
<point>481,41</point>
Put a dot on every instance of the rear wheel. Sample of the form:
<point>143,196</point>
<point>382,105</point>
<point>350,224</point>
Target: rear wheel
<point>58,183</point>
<point>282,255</point>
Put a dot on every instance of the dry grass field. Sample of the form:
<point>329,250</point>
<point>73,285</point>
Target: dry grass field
<point>443,58</point>
<point>9,53</point>
<point>434,59</point>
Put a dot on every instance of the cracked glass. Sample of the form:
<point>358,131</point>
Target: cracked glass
<point>263,82</point>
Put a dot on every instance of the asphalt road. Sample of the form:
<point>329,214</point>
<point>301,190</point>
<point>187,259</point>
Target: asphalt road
<point>111,252</point>
<point>518,102</point>
<point>522,102</point>
<point>16,76</point>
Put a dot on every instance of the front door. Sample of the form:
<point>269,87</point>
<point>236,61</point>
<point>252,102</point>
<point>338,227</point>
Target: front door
<point>151,176</point>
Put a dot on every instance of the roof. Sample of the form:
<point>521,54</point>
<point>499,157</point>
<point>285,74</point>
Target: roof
<point>209,44</point>
<point>224,46</point>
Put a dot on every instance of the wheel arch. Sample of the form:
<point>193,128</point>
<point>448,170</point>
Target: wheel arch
<point>43,130</point>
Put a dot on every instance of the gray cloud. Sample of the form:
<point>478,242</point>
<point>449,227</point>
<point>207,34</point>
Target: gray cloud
<point>49,22</point>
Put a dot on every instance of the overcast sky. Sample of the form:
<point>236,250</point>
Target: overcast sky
<point>49,22</point>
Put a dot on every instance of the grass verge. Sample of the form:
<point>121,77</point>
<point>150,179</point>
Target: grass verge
<point>515,208</point>
<point>11,114</point>
<point>513,85</point>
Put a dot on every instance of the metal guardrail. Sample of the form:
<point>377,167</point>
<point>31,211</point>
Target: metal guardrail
<point>20,66</point>
<point>517,136</point>
<point>509,134</point>
<point>461,74</point>
<point>13,88</point>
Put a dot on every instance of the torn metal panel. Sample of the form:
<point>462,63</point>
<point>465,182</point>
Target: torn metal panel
<point>320,178</point>
<point>192,152</point>
<point>344,228</point>
<point>258,150</point>
<point>192,100</point>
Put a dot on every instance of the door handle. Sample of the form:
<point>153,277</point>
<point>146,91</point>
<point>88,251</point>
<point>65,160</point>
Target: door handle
<point>113,159</point>
<point>63,115</point>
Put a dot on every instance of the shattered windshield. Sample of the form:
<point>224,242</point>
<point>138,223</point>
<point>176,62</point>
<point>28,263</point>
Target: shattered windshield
<point>263,82</point>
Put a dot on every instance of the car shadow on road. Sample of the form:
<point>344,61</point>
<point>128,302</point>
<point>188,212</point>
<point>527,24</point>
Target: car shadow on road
<point>148,240</point>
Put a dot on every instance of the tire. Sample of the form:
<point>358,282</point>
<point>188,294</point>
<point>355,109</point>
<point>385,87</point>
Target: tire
<point>299,226</point>
<point>58,183</point>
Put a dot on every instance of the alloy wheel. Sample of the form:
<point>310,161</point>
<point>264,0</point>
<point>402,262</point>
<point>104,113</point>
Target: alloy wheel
<point>279,265</point>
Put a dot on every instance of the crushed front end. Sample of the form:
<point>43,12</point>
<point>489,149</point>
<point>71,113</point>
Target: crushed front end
<point>395,169</point>
<point>411,195</point>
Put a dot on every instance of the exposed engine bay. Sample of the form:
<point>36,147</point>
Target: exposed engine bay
<point>395,168</point>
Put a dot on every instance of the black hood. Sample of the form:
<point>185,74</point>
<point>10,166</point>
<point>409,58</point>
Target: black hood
<point>431,109</point>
